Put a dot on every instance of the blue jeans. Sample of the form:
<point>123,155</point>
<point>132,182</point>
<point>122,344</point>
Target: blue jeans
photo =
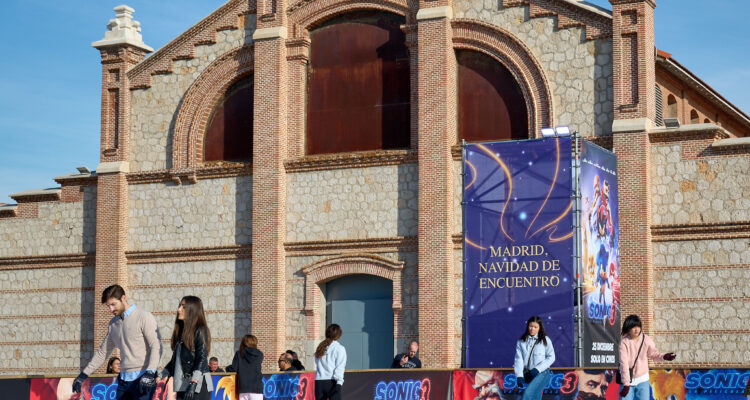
<point>130,390</point>
<point>641,391</point>
<point>535,388</point>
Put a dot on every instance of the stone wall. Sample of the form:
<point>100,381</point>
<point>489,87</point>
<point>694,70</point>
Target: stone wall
<point>223,285</point>
<point>355,203</point>
<point>59,228</point>
<point>47,320</point>
<point>209,213</point>
<point>154,110</point>
<point>700,292</point>
<point>690,191</point>
<point>578,71</point>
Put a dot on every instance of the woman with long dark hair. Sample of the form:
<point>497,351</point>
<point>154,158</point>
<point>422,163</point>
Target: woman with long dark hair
<point>636,348</point>
<point>113,365</point>
<point>191,343</point>
<point>534,357</point>
<point>330,362</point>
<point>247,364</point>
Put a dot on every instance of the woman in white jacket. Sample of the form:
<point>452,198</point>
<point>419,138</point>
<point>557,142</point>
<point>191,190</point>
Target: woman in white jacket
<point>330,362</point>
<point>534,357</point>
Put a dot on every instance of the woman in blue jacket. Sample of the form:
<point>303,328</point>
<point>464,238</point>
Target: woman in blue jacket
<point>534,357</point>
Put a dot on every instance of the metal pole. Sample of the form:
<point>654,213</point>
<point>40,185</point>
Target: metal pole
<point>463,254</point>
<point>577,249</point>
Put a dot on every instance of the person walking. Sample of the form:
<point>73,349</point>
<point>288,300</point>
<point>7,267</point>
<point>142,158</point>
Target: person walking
<point>247,364</point>
<point>134,331</point>
<point>330,362</point>
<point>534,357</point>
<point>191,343</point>
<point>636,348</point>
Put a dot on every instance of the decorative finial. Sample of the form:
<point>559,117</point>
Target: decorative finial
<point>123,30</point>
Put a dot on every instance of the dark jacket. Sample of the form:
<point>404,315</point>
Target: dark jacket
<point>247,366</point>
<point>413,362</point>
<point>191,361</point>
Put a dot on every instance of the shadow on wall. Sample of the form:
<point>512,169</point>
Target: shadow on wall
<point>243,265</point>
<point>408,187</point>
<point>88,303</point>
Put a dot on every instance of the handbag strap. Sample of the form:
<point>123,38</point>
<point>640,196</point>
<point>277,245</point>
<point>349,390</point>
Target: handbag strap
<point>528,362</point>
<point>636,356</point>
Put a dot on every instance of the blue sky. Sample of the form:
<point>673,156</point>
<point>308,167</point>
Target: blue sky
<point>50,75</point>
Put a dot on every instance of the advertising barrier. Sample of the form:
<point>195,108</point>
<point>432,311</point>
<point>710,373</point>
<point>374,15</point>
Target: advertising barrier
<point>600,256</point>
<point>583,384</point>
<point>518,248</point>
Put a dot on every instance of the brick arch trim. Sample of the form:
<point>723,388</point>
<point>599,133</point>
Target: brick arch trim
<point>504,47</point>
<point>199,101</point>
<point>305,13</point>
<point>339,266</point>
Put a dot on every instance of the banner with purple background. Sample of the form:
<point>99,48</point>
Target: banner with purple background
<point>518,248</point>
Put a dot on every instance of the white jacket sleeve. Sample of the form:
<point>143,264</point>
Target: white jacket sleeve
<point>518,361</point>
<point>549,356</point>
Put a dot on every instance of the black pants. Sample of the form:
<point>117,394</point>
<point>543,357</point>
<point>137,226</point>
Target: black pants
<point>130,390</point>
<point>327,390</point>
<point>204,394</point>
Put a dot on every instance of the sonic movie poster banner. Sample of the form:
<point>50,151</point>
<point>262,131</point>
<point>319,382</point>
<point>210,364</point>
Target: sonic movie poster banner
<point>518,248</point>
<point>600,256</point>
<point>598,384</point>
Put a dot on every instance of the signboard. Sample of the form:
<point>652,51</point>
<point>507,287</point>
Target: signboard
<point>600,256</point>
<point>518,248</point>
<point>411,384</point>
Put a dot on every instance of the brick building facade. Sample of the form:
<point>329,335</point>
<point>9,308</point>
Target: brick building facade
<point>258,238</point>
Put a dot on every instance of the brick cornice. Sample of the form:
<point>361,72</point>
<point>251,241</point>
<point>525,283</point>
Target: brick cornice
<point>569,15</point>
<point>703,231</point>
<point>375,245</point>
<point>52,261</point>
<point>350,160</point>
<point>189,254</point>
<point>686,133</point>
<point>229,16</point>
<point>213,170</point>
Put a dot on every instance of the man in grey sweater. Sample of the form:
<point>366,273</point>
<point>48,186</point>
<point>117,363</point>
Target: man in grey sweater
<point>135,333</point>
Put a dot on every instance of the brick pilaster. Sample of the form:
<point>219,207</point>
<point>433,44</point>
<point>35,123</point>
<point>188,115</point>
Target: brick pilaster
<point>120,49</point>
<point>270,142</point>
<point>634,58</point>
<point>437,133</point>
<point>635,109</point>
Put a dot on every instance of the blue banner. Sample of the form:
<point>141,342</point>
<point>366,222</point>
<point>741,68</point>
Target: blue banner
<point>600,256</point>
<point>518,248</point>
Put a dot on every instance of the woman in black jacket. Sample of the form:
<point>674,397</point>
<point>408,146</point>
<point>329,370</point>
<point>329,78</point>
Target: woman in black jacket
<point>191,343</point>
<point>247,363</point>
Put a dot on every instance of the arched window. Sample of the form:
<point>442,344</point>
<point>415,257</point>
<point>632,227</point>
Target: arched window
<point>671,106</point>
<point>358,84</point>
<point>706,121</point>
<point>694,118</point>
<point>490,102</point>
<point>229,136</point>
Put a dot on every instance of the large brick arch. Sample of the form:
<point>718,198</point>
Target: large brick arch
<point>305,14</point>
<point>517,58</point>
<point>339,266</point>
<point>199,101</point>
